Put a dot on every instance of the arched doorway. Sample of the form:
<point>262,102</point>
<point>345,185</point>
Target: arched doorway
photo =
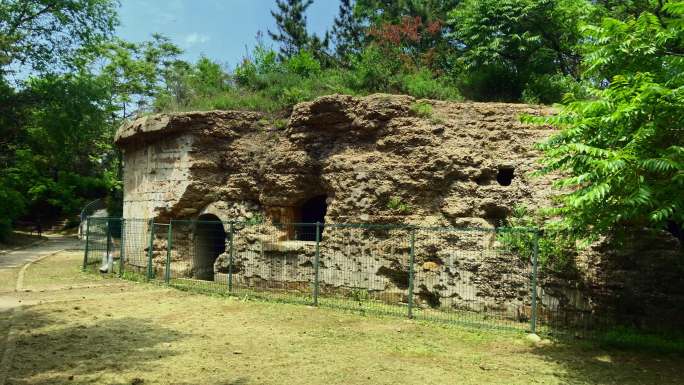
<point>210,242</point>
<point>311,212</point>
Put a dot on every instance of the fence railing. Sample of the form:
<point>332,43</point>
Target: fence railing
<point>432,273</point>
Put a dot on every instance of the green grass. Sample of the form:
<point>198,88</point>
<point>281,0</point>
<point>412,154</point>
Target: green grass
<point>422,109</point>
<point>63,269</point>
<point>630,339</point>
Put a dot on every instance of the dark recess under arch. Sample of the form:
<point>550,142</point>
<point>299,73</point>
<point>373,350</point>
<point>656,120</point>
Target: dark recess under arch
<point>311,212</point>
<point>210,242</point>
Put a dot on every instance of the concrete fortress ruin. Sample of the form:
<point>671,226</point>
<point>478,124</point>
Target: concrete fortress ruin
<point>342,160</point>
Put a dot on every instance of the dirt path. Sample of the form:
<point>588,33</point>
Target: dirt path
<point>54,243</point>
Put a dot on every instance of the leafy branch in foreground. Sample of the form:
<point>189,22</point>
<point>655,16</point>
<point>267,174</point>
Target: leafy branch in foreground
<point>622,151</point>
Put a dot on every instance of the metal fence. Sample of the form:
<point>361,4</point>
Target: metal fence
<point>444,274</point>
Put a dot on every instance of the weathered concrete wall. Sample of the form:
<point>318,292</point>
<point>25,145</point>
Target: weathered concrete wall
<point>156,176</point>
<point>359,152</point>
<point>445,169</point>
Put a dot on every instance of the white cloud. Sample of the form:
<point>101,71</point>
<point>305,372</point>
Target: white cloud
<point>195,38</point>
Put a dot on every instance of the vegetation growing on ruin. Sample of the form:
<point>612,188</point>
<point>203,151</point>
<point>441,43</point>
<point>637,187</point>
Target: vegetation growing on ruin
<point>398,205</point>
<point>422,109</point>
<point>555,248</point>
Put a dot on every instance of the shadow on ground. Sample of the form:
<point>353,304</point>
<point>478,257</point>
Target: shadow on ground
<point>48,351</point>
<point>582,362</point>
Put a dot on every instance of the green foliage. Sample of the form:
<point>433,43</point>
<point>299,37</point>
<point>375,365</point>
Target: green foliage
<point>347,32</point>
<point>548,89</point>
<point>555,247</point>
<point>290,18</point>
<point>423,85</point>
<point>303,64</point>
<point>504,44</point>
<point>264,61</point>
<point>384,11</point>
<point>256,219</point>
<point>44,34</point>
<point>359,295</point>
<point>623,149</point>
<point>374,70</point>
<point>187,83</point>
<point>396,204</point>
<point>12,205</point>
<point>134,72</point>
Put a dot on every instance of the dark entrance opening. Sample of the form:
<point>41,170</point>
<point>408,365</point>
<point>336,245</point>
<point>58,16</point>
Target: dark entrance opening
<point>210,242</point>
<point>312,211</point>
<point>505,176</point>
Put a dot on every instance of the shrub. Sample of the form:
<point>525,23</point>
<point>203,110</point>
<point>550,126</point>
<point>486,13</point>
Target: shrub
<point>249,73</point>
<point>422,85</point>
<point>372,71</point>
<point>303,64</point>
<point>549,89</point>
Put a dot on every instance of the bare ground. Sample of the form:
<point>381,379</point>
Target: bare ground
<point>76,328</point>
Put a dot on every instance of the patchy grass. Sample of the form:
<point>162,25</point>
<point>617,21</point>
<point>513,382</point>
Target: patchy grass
<point>8,279</point>
<point>422,109</point>
<point>61,270</point>
<point>128,333</point>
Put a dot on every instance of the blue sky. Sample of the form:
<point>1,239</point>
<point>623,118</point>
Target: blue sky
<point>219,29</point>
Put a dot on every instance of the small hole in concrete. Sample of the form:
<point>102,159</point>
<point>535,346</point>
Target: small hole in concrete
<point>505,176</point>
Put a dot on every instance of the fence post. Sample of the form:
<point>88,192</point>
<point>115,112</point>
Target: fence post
<point>230,257</point>
<point>535,255</point>
<point>169,246</point>
<point>85,254</point>
<point>412,257</point>
<point>122,247</point>
<point>109,242</point>
<point>149,251</point>
<point>316,263</point>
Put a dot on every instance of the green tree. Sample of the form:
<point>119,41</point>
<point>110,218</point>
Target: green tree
<point>506,45</point>
<point>135,71</point>
<point>624,9</point>
<point>185,83</point>
<point>414,32</point>
<point>43,33</point>
<point>292,35</point>
<point>393,11</point>
<point>623,149</point>
<point>347,32</point>
<point>51,126</point>
<point>63,153</point>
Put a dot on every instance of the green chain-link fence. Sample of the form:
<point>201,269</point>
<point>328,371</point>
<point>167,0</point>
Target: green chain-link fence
<point>442,274</point>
